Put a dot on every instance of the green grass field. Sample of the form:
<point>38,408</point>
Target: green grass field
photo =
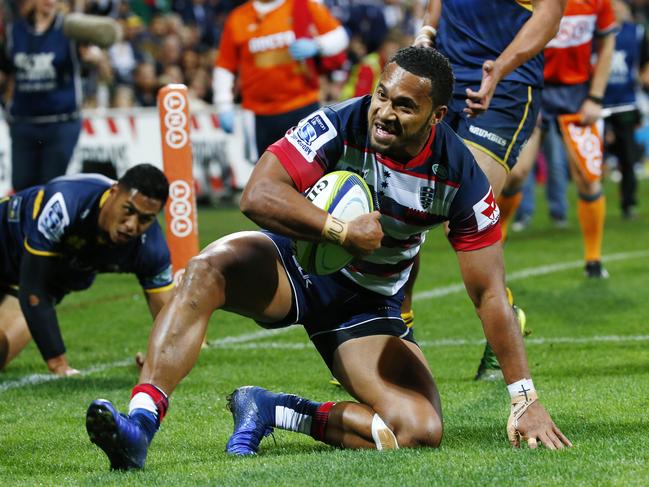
<point>589,354</point>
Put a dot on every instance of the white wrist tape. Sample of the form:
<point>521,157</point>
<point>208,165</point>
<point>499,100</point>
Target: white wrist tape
<point>429,31</point>
<point>335,229</point>
<point>521,388</point>
<point>523,396</point>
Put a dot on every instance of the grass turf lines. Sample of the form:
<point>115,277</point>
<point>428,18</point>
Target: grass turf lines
<point>589,354</point>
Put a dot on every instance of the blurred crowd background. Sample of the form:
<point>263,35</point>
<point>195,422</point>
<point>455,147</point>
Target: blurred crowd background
<point>176,41</point>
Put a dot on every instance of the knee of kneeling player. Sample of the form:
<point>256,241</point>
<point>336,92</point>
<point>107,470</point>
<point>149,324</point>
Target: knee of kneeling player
<point>201,274</point>
<point>420,431</point>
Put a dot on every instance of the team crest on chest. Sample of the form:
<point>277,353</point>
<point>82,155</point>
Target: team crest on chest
<point>426,196</point>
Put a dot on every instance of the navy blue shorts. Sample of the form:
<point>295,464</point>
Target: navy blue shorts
<point>334,309</point>
<point>504,128</point>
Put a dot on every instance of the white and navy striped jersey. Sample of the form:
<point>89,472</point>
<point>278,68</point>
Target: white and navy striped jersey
<point>442,183</point>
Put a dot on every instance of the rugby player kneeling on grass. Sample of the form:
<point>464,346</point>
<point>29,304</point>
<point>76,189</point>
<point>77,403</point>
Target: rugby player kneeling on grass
<point>422,175</point>
<point>55,238</point>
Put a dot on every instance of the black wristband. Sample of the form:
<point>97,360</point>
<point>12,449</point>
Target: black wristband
<point>595,99</point>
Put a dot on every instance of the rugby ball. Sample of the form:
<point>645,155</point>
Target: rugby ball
<point>342,194</point>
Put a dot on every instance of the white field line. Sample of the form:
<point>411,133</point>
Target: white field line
<point>243,341</point>
<point>531,272</point>
<point>459,342</point>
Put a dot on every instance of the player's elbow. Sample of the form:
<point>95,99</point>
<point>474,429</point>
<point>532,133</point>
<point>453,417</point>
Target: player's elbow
<point>255,200</point>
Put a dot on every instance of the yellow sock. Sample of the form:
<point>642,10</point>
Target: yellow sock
<point>508,205</point>
<point>591,219</point>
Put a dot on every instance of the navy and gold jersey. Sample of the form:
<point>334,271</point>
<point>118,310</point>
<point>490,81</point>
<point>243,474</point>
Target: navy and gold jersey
<point>442,183</point>
<point>473,31</point>
<point>60,220</point>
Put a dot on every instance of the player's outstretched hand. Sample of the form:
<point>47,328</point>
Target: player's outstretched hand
<point>477,102</point>
<point>530,422</point>
<point>364,234</point>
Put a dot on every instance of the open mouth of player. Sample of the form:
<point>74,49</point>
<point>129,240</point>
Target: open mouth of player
<point>123,237</point>
<point>384,133</point>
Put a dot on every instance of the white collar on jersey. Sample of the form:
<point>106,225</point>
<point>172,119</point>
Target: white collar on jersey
<point>264,7</point>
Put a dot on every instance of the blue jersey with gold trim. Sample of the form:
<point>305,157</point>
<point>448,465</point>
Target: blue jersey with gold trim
<point>60,219</point>
<point>473,31</point>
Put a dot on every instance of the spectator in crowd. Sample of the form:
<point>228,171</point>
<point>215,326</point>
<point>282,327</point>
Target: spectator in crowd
<point>146,85</point>
<point>364,75</point>
<point>123,97</point>
<point>207,16</point>
<point>42,57</point>
<point>276,61</point>
<point>630,66</point>
<point>124,56</point>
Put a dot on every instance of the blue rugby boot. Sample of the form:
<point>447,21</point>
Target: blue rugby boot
<point>253,412</point>
<point>124,439</point>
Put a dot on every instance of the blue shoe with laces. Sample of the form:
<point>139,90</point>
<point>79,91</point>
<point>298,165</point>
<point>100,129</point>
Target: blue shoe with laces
<point>122,438</point>
<point>252,411</point>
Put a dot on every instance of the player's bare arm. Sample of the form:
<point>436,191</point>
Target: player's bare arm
<point>530,40</point>
<point>484,277</point>
<point>272,201</point>
<point>428,31</point>
<point>591,109</point>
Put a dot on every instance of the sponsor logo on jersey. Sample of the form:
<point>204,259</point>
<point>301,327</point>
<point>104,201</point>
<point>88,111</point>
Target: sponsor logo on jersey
<point>574,30</point>
<point>272,41</point>
<point>311,134</point>
<point>485,134</point>
<point>13,213</point>
<point>161,279</point>
<point>54,218</point>
<point>440,171</point>
<point>317,189</point>
<point>486,211</point>
<point>35,69</point>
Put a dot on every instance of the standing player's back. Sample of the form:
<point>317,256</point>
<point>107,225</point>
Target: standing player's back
<point>471,31</point>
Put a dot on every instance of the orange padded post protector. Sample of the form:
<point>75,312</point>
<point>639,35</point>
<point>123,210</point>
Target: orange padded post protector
<point>180,212</point>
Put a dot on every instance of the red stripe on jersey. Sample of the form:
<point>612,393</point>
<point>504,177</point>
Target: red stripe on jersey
<point>303,173</point>
<point>476,241</point>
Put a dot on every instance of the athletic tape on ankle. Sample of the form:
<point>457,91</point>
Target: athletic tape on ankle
<point>382,435</point>
<point>335,230</point>
<point>521,388</point>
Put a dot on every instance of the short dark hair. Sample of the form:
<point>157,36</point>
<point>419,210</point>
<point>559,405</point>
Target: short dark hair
<point>148,180</point>
<point>428,62</point>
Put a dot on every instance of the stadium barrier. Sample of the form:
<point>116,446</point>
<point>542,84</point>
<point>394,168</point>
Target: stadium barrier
<point>117,139</point>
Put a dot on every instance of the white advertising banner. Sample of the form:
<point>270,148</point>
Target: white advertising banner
<point>124,138</point>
